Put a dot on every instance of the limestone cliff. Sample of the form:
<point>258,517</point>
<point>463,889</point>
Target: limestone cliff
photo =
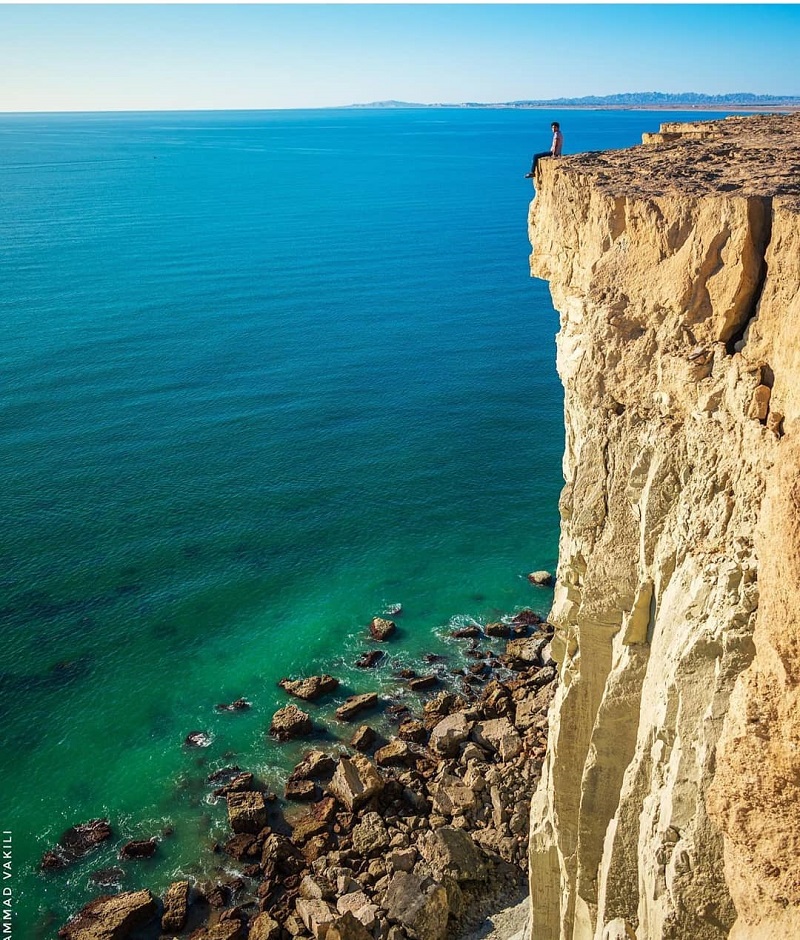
<point>669,799</point>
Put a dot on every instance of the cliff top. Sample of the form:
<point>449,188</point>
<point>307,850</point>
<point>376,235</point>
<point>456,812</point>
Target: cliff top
<point>748,156</point>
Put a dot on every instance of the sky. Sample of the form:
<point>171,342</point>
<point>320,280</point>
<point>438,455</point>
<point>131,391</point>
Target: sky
<point>147,57</point>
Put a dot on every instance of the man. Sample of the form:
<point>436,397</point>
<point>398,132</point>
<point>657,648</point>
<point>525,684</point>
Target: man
<point>554,151</point>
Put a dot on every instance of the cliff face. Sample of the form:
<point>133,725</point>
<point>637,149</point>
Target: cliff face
<point>668,803</point>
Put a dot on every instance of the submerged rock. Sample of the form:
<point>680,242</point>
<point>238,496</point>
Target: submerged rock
<point>139,848</point>
<point>355,704</point>
<point>198,739</point>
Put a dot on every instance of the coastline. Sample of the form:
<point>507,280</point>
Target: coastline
<point>429,799</point>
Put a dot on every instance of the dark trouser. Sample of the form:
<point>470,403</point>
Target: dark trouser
<point>539,156</point>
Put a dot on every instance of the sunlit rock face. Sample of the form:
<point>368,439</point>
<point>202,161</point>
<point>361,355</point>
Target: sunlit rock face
<point>668,805</point>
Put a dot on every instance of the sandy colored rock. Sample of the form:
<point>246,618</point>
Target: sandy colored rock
<point>316,916</point>
<point>355,781</point>
<point>290,722</point>
<point>675,269</point>
<point>310,689</point>
<point>111,917</point>
<point>263,927</point>
<point>419,905</point>
<point>176,906</point>
<point>355,704</point>
<point>381,629</point>
<point>448,735</point>
<point>247,811</point>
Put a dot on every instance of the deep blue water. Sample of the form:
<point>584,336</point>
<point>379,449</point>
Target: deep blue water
<point>263,373</point>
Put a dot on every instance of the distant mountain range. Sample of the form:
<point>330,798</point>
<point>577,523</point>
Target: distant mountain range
<point>637,99</point>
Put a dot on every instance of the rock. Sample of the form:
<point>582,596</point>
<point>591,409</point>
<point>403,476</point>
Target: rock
<point>107,877</point>
<point>498,629</point>
<point>176,906</point>
<point>315,889</point>
<point>396,753</point>
<point>527,617</point>
<point>240,705</point>
<point>423,682</point>
<point>355,781</point>
<point>420,906</point>
<point>316,821</point>
<point>451,795</point>
<point>79,840</point>
<point>198,739</point>
<point>402,859</point>
<point>382,629</point>
<point>527,649</point>
<point>263,927</point>
<point>363,739</point>
<point>242,781</point>
<point>359,905</point>
<point>759,404</point>
<point>452,853</point>
<point>242,846</point>
<point>111,917</point>
<point>223,774</point>
<point>247,811</point>
<point>290,722</point>
<point>347,927</point>
<point>540,578</point>
<point>471,632</point>
<point>370,659</point>
<point>412,730</point>
<point>447,736</point>
<point>316,915</point>
<point>370,836</point>
<point>139,848</point>
<point>301,790</point>
<point>309,689</point>
<point>315,765</point>
<point>499,736</point>
<point>355,704</point>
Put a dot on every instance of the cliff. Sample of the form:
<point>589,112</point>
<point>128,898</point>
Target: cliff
<point>669,797</point>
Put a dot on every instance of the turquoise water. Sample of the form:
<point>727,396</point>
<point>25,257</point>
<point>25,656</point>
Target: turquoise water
<point>264,374</point>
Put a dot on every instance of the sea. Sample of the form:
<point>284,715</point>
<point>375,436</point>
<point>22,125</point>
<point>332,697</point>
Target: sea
<point>265,375</point>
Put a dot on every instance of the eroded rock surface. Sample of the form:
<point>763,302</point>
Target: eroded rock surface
<point>668,803</point>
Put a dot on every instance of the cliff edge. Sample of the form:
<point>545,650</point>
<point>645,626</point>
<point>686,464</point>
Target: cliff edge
<point>668,806</point>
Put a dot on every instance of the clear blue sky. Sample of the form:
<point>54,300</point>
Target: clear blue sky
<point>296,55</point>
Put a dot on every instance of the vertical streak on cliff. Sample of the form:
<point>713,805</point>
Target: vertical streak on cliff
<point>671,437</point>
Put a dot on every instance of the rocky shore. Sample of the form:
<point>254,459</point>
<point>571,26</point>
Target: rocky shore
<point>417,829</point>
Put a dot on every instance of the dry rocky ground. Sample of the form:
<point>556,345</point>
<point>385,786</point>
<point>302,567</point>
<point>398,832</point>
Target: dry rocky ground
<point>414,835</point>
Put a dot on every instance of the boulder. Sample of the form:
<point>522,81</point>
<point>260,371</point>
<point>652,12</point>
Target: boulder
<point>198,739</point>
<point>176,906</point>
<point>315,765</point>
<point>309,689</point>
<point>451,853</point>
<point>111,917</point>
<point>451,796</point>
<point>526,649</point>
<point>347,927</point>
<point>242,781</point>
<point>396,753</point>
<point>402,859</point>
<point>471,632</point>
<point>108,877</point>
<point>420,906</point>
<point>423,682</point>
<point>369,659</point>
<point>364,738</point>
<point>450,733</point>
<point>355,704</point>
<point>359,905</point>
<point>370,836</point>
<point>79,840</point>
<point>527,618</point>
<point>263,927</point>
<point>243,847</point>
<point>355,781</point>
<point>541,578</point>
<point>301,790</point>
<point>289,722</point>
<point>247,811</point>
<point>316,915</point>
<point>499,736</point>
<point>315,821</point>
<point>381,629</point>
<point>498,629</point>
<point>412,730</point>
<point>139,848</point>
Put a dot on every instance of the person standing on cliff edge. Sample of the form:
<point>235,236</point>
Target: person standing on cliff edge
<point>554,151</point>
